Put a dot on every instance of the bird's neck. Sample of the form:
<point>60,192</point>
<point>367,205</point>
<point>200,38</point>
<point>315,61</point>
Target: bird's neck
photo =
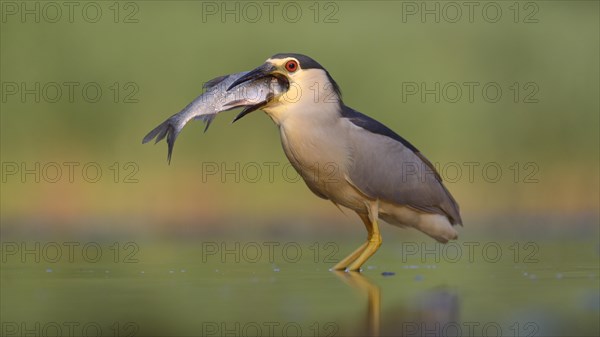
<point>310,97</point>
<point>308,115</point>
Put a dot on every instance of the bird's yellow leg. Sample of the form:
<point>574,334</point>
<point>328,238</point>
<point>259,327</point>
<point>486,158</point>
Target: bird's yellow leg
<point>342,265</point>
<point>374,241</point>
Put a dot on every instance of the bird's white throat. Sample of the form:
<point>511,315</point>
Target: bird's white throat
<point>311,96</point>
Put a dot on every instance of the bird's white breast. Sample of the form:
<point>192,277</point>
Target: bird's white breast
<point>320,150</point>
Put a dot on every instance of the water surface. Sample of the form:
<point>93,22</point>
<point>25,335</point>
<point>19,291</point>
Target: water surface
<point>246,288</point>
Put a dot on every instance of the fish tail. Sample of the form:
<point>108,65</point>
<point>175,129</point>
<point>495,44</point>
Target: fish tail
<point>169,129</point>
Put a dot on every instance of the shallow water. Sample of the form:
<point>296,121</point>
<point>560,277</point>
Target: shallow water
<point>279,287</point>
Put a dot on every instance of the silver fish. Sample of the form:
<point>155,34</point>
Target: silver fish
<point>252,95</point>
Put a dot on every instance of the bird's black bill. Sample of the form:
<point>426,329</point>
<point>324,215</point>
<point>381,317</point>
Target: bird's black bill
<point>246,111</point>
<point>262,71</point>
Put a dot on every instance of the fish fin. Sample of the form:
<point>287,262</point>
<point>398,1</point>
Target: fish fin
<point>207,119</point>
<point>214,82</point>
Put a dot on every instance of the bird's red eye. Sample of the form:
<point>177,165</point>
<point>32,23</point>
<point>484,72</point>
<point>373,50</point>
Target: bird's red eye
<point>291,66</point>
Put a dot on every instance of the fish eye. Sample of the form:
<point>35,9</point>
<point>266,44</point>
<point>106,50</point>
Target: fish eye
<point>291,66</point>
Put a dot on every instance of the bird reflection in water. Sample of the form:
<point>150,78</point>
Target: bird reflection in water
<point>363,285</point>
<point>432,312</point>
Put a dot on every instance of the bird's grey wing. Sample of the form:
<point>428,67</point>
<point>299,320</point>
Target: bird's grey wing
<point>385,166</point>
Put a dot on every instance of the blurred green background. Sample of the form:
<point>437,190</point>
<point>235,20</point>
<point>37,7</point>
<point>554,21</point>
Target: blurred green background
<point>170,52</point>
<point>150,58</point>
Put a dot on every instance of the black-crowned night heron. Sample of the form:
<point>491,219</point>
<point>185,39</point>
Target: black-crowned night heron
<point>352,159</point>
